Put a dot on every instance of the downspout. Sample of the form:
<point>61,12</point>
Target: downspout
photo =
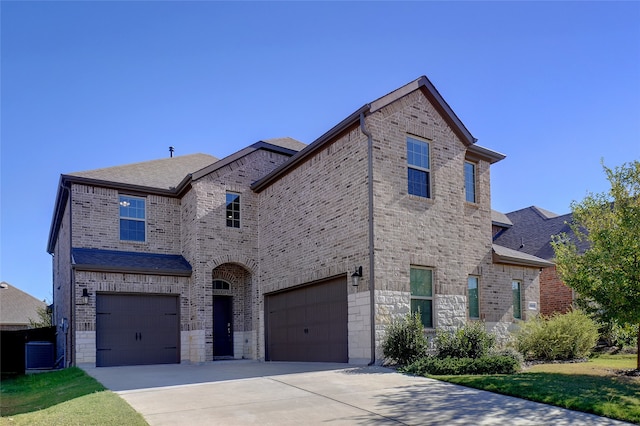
<point>72,291</point>
<point>372,286</point>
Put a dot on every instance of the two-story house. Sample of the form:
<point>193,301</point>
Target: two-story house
<point>285,251</point>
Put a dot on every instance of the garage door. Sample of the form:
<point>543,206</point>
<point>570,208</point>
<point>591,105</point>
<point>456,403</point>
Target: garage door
<point>308,323</point>
<point>137,329</point>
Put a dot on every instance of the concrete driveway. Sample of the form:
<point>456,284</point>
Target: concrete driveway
<point>276,393</point>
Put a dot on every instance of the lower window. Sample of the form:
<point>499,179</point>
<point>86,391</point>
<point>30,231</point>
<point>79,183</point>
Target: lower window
<point>473,296</point>
<point>517,301</point>
<point>422,294</point>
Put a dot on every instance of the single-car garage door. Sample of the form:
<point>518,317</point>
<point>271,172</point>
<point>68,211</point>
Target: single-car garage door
<point>308,323</point>
<point>137,329</point>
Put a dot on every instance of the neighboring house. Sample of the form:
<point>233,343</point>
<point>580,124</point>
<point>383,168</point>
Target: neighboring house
<point>192,259</point>
<point>17,308</point>
<point>529,231</point>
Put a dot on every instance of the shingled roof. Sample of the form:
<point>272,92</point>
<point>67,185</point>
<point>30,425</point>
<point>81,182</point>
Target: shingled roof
<point>133,262</point>
<point>166,173</point>
<point>531,232</point>
<point>17,307</point>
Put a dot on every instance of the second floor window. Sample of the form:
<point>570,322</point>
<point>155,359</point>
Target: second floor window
<point>233,210</point>
<point>419,168</point>
<point>133,218</point>
<point>470,182</point>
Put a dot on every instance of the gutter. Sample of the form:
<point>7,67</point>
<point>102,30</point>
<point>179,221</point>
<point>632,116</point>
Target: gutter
<point>372,281</point>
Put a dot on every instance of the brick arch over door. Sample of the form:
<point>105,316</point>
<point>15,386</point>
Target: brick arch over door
<point>249,264</point>
<point>240,279</point>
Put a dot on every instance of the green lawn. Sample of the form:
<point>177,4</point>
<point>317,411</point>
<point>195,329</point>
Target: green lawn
<point>65,397</point>
<point>592,387</point>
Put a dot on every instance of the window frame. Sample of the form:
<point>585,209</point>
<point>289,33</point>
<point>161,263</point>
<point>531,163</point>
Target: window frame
<point>122,198</point>
<point>419,168</point>
<point>423,297</point>
<point>230,219</point>
<point>477,284</point>
<point>519,305</point>
<point>475,182</point>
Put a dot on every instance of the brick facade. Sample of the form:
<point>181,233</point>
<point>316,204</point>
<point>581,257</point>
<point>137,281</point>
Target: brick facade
<point>555,296</point>
<point>309,224</point>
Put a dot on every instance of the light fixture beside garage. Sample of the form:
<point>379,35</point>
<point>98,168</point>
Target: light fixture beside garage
<point>355,277</point>
<point>85,296</point>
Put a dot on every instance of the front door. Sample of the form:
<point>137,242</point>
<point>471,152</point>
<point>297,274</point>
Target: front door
<point>222,326</point>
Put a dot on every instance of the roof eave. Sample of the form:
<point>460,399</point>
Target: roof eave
<point>131,270</point>
<point>486,154</point>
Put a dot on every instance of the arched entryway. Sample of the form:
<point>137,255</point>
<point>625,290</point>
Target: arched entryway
<point>232,316</point>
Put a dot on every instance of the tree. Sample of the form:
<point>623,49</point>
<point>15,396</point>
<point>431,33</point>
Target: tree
<point>44,319</point>
<point>608,272</point>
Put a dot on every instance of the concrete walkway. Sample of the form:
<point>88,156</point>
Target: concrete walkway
<point>274,393</point>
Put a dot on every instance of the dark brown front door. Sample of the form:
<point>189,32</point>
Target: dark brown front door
<point>222,326</point>
<point>308,323</point>
<point>137,329</point>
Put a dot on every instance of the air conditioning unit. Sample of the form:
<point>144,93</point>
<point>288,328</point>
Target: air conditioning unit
<point>38,355</point>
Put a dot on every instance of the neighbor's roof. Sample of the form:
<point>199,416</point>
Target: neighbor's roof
<point>500,219</point>
<point>133,262</point>
<point>513,257</point>
<point>166,173</point>
<point>532,230</point>
<point>428,89</point>
<point>18,307</point>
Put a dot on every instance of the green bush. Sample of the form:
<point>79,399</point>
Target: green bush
<point>470,341</point>
<point>559,337</point>
<point>489,364</point>
<point>404,340</point>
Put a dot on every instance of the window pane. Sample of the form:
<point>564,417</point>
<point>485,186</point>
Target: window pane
<point>418,153</point>
<point>419,183</point>
<point>424,306</point>
<point>233,210</point>
<point>421,282</point>
<point>474,301</point>
<point>131,230</point>
<point>517,307</point>
<point>470,182</point>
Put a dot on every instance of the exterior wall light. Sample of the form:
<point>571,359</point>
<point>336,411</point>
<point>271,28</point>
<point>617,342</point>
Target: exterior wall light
<point>85,296</point>
<point>355,277</point>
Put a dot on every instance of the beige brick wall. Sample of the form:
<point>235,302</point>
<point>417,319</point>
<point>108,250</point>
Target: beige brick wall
<point>96,221</point>
<point>61,262</point>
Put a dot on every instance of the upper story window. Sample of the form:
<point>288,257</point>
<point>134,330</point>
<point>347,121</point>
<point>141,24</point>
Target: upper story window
<point>473,297</point>
<point>419,168</point>
<point>233,210</point>
<point>517,301</point>
<point>133,218</point>
<point>422,294</point>
<point>470,181</point>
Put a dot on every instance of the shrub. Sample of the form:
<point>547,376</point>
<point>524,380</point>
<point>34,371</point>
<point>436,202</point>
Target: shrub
<point>493,364</point>
<point>404,340</point>
<point>470,341</point>
<point>559,337</point>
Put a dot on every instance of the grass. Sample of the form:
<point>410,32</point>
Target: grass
<point>64,397</point>
<point>592,387</point>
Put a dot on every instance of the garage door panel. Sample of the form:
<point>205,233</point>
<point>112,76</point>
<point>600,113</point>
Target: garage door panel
<point>137,329</point>
<point>308,323</point>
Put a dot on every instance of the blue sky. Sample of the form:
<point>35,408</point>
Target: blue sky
<point>553,85</point>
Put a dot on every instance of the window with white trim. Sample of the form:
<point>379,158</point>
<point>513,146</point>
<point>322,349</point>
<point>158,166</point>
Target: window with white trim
<point>233,210</point>
<point>470,181</point>
<point>133,218</point>
<point>422,294</point>
<point>418,168</point>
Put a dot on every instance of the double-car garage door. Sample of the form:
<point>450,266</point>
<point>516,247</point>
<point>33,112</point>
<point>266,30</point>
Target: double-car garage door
<point>137,329</point>
<point>308,323</point>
